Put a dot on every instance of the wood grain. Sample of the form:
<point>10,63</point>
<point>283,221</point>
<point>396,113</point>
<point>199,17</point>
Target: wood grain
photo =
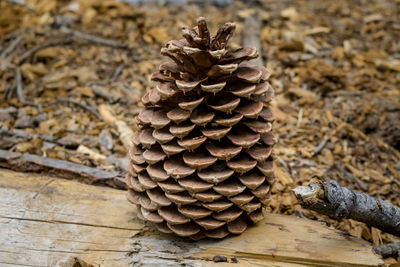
<point>46,221</point>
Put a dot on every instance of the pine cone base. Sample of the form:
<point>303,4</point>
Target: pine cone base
<point>202,161</point>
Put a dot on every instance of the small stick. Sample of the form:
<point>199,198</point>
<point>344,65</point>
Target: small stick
<point>93,39</point>
<point>97,90</point>
<point>117,72</point>
<point>320,146</point>
<point>360,184</point>
<point>29,136</point>
<point>299,117</point>
<point>388,250</point>
<point>344,93</point>
<point>11,47</point>
<point>93,155</point>
<point>86,107</point>
<point>8,92</point>
<point>329,198</point>
<point>125,132</point>
<point>35,49</point>
<point>9,109</point>
<point>14,34</point>
<point>18,84</point>
<point>325,139</point>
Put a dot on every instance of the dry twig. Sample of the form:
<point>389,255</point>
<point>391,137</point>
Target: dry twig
<point>93,39</point>
<point>125,132</point>
<point>28,135</point>
<point>117,72</point>
<point>351,177</point>
<point>37,48</point>
<point>18,85</point>
<point>320,146</point>
<point>15,88</point>
<point>84,106</point>
<point>8,91</point>
<point>11,47</point>
<point>97,90</point>
<point>329,198</point>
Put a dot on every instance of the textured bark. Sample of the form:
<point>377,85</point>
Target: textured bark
<point>329,198</point>
<point>388,250</point>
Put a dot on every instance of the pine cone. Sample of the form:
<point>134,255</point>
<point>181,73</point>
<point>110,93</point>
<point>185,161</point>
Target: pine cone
<point>201,163</point>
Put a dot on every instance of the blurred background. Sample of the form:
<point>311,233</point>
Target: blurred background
<point>72,74</point>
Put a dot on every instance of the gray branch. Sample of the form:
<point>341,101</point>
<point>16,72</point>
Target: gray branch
<point>93,39</point>
<point>388,250</point>
<point>329,198</point>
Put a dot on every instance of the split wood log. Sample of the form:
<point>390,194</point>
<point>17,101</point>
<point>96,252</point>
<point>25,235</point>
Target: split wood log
<point>329,198</point>
<point>47,221</point>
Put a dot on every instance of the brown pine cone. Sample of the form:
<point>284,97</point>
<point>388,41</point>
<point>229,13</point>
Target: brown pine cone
<point>201,163</point>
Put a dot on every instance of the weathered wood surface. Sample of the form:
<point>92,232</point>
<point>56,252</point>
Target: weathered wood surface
<point>46,221</point>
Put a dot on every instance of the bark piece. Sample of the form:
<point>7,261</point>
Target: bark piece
<point>66,169</point>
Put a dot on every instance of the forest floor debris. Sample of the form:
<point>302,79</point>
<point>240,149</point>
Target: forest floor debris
<point>72,74</point>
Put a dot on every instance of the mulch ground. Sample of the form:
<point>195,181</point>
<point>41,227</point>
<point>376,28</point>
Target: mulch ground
<point>72,74</point>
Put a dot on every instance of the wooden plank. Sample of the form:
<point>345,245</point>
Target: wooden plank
<point>278,240</point>
<point>298,241</point>
<point>46,221</point>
